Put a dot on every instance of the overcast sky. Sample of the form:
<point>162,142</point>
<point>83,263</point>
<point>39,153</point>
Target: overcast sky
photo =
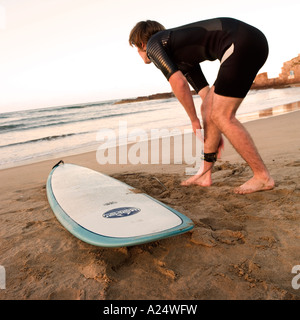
<point>58,52</point>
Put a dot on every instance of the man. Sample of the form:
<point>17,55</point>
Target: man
<point>242,51</point>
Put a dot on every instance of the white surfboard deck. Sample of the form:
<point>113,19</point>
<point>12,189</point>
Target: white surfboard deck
<point>103,211</point>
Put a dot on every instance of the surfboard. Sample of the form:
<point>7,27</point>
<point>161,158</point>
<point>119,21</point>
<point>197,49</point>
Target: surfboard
<point>106,212</point>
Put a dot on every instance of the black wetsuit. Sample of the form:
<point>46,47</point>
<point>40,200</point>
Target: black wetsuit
<point>241,48</point>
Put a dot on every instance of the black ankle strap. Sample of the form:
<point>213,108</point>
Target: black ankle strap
<point>210,157</point>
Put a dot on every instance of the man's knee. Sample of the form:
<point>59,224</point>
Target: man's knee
<point>221,120</point>
<point>223,110</point>
<point>217,118</point>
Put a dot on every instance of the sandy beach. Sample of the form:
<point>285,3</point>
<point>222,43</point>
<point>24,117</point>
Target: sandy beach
<point>242,246</point>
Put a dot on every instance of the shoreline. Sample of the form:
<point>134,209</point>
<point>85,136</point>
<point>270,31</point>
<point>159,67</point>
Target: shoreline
<point>244,118</point>
<point>243,247</point>
<point>89,158</point>
<point>168,95</point>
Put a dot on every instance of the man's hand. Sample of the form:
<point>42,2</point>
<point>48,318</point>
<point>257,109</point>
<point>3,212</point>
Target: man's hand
<point>197,129</point>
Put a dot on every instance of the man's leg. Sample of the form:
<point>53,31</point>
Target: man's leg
<point>223,115</point>
<point>212,139</point>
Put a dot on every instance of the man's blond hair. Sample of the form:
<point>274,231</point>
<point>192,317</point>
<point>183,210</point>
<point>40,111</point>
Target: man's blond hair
<point>142,32</point>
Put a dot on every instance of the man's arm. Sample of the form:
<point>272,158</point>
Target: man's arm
<point>182,91</point>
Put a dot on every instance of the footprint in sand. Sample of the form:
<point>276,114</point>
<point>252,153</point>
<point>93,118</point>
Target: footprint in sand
<point>67,294</point>
<point>229,237</point>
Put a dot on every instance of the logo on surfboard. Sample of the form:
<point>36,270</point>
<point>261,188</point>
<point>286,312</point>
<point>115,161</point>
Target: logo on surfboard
<point>121,212</point>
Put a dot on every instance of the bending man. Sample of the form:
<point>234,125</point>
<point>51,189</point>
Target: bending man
<point>242,51</point>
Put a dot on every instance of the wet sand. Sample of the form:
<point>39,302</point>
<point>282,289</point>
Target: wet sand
<point>242,246</point>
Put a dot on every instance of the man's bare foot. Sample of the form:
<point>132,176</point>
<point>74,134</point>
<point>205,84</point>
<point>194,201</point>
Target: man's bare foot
<point>254,185</point>
<point>197,179</point>
<point>202,178</point>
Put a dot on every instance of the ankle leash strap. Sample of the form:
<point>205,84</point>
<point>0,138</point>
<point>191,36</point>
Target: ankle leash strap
<point>210,157</point>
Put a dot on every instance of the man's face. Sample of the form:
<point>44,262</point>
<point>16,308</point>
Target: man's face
<point>143,53</point>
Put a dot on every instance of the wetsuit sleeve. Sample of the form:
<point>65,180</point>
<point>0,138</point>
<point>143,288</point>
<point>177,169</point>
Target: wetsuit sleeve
<point>158,55</point>
<point>196,78</point>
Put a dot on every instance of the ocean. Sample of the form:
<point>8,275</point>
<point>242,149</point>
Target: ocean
<point>38,134</point>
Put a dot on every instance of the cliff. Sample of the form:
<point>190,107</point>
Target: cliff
<point>290,75</point>
<point>156,96</point>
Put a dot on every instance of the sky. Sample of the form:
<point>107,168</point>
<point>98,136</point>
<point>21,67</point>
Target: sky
<point>61,52</point>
